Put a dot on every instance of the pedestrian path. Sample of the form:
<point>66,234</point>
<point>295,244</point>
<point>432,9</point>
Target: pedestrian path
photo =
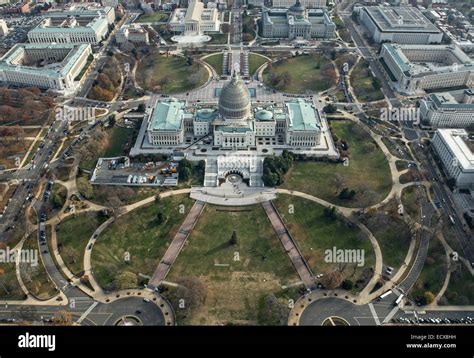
<point>290,246</point>
<point>177,244</point>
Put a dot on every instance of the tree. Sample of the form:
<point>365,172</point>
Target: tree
<point>225,28</point>
<point>429,297</point>
<point>330,213</point>
<point>330,108</point>
<point>347,285</point>
<point>141,107</point>
<point>338,181</point>
<point>331,280</point>
<point>126,279</point>
<point>233,239</point>
<point>347,194</point>
<point>85,188</point>
<point>160,218</point>
<point>190,295</point>
<point>112,120</point>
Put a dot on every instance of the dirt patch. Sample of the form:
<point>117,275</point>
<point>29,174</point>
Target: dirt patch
<point>233,299</point>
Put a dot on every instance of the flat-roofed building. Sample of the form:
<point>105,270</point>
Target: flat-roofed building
<point>297,22</point>
<point>3,28</point>
<point>45,66</point>
<point>310,4</point>
<point>166,124</point>
<point>71,30</point>
<point>455,151</point>
<point>399,24</point>
<point>417,68</point>
<point>448,109</point>
<point>86,11</point>
<point>195,19</point>
<point>303,124</point>
<point>134,33</point>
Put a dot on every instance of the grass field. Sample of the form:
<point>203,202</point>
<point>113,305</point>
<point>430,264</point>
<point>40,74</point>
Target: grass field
<point>315,233</point>
<point>401,165</point>
<point>139,234</point>
<point>460,290</point>
<point>368,172</point>
<point>432,275</point>
<point>410,202</point>
<point>170,74</point>
<point>215,61</point>
<point>363,84</point>
<point>255,61</point>
<point>34,276</point>
<point>310,73</point>
<point>218,39</point>
<point>154,17</point>
<point>392,235</point>
<point>237,277</point>
<point>73,235</point>
<point>117,138</point>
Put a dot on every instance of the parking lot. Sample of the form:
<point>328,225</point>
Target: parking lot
<point>119,171</point>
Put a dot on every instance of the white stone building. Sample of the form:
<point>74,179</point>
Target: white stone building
<point>448,109</point>
<point>134,33</point>
<point>3,28</point>
<point>45,66</point>
<point>195,19</point>
<point>234,124</point>
<point>455,151</point>
<point>69,31</point>
<point>297,23</point>
<point>310,4</point>
<point>417,68</point>
<point>399,24</point>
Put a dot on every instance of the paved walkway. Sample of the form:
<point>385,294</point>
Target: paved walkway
<point>177,244</point>
<point>290,245</point>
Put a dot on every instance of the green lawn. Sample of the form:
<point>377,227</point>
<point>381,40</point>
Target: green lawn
<point>410,202</point>
<point>365,86</point>
<point>154,17</point>
<point>368,172</point>
<point>215,61</point>
<point>307,74</point>
<point>392,235</point>
<point>432,275</point>
<point>237,276</point>
<point>315,233</point>
<point>9,287</point>
<point>117,140</point>
<point>170,74</point>
<point>401,165</point>
<point>218,39</point>
<point>255,61</point>
<point>139,234</point>
<point>34,275</point>
<point>73,235</point>
<point>460,290</point>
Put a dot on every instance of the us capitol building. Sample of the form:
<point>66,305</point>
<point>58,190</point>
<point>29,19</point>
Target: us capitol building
<point>234,124</point>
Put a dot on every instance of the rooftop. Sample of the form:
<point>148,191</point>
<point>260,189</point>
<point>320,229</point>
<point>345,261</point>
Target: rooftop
<point>167,115</point>
<point>399,19</point>
<point>57,69</point>
<point>458,142</point>
<point>303,115</point>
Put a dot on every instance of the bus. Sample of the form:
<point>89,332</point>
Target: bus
<point>399,299</point>
<point>452,220</point>
<point>381,297</point>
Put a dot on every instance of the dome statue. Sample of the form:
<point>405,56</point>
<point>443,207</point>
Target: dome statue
<point>234,100</point>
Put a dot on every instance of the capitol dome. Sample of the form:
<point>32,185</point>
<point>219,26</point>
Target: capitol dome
<point>234,100</point>
<point>297,9</point>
